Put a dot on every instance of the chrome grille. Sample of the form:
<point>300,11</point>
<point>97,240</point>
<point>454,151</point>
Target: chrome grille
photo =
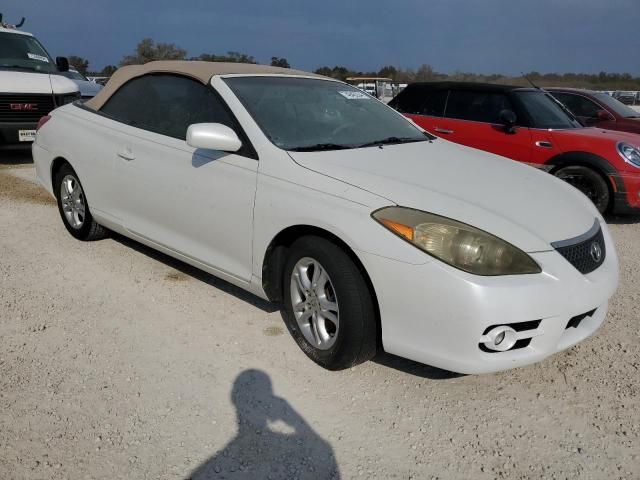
<point>587,252</point>
<point>24,108</point>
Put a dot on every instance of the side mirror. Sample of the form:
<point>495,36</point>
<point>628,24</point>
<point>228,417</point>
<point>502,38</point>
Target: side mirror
<point>62,63</point>
<point>602,115</point>
<point>508,119</point>
<point>213,136</point>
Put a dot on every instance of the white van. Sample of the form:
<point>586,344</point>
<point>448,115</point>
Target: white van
<point>30,85</point>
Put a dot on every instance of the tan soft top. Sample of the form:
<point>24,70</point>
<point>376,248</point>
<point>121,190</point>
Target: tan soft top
<point>201,71</point>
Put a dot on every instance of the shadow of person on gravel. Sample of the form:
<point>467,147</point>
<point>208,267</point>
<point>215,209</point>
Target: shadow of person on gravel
<point>273,440</point>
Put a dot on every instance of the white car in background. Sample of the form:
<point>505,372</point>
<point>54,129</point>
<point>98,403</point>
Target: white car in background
<point>30,85</point>
<point>88,89</point>
<point>305,190</point>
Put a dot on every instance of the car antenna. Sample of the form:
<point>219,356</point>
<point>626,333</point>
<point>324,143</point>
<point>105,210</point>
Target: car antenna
<point>6,25</point>
<point>531,81</point>
<point>546,92</point>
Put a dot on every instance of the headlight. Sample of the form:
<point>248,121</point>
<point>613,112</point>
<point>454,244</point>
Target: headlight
<point>458,244</point>
<point>629,153</point>
<point>69,98</point>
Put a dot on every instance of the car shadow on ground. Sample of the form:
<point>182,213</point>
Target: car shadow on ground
<point>386,359</point>
<point>273,440</point>
<point>197,274</point>
<point>414,368</point>
<point>623,220</point>
<point>11,158</point>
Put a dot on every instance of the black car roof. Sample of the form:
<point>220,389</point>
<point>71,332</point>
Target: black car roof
<point>488,87</point>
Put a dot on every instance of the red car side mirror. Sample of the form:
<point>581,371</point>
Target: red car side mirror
<point>603,115</point>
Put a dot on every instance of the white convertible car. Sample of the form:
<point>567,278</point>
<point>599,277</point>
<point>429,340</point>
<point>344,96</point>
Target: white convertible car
<point>306,191</point>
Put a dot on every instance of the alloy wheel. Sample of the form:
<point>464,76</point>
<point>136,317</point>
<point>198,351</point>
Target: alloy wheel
<point>73,202</point>
<point>314,302</point>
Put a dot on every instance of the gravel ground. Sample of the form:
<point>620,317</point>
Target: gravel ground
<point>117,362</point>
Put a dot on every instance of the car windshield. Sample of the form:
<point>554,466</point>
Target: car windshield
<point>23,52</point>
<point>73,75</point>
<point>617,106</point>
<point>311,114</point>
<point>544,111</point>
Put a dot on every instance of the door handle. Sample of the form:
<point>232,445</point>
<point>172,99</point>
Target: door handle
<point>543,144</point>
<point>126,154</point>
<point>443,130</point>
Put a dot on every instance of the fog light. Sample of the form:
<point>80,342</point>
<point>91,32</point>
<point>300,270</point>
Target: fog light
<point>501,338</point>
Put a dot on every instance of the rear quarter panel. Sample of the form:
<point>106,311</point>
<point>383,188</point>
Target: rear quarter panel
<point>82,139</point>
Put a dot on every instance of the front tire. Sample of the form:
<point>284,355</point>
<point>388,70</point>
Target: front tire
<point>328,307</point>
<point>73,207</point>
<point>589,182</point>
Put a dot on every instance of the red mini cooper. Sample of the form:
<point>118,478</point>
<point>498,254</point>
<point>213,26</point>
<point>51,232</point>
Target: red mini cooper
<point>530,126</point>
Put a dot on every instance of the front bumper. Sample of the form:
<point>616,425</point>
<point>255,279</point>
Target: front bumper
<point>9,134</point>
<point>627,194</point>
<point>436,314</point>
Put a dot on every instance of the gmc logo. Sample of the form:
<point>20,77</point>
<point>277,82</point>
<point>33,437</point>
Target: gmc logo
<point>23,106</point>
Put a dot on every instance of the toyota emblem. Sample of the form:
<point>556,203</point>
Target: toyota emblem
<point>596,252</point>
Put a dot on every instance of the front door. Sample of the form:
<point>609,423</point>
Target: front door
<point>198,203</point>
<point>472,118</point>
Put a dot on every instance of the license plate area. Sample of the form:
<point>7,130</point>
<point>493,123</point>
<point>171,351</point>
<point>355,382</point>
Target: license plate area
<point>26,135</point>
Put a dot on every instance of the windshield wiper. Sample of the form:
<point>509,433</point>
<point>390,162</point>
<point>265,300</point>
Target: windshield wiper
<point>320,146</point>
<point>392,141</point>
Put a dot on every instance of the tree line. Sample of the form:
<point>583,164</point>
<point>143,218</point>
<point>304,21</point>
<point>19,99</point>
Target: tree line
<point>148,50</point>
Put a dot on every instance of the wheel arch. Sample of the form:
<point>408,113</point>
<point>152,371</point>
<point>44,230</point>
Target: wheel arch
<point>590,160</point>
<point>56,165</point>
<point>275,258</point>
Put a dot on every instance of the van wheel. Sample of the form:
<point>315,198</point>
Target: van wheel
<point>589,182</point>
<point>328,307</point>
<point>73,207</point>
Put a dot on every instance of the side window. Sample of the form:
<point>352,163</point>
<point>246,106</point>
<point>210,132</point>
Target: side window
<point>477,106</point>
<point>580,106</point>
<point>407,101</point>
<point>166,104</point>
<point>420,101</point>
<point>434,103</point>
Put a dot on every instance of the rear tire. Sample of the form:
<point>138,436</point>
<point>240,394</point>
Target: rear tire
<point>73,207</point>
<point>328,307</point>
<point>589,182</point>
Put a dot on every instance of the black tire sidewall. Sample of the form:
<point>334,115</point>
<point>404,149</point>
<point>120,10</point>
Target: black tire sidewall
<point>357,328</point>
<point>83,232</point>
<point>603,191</point>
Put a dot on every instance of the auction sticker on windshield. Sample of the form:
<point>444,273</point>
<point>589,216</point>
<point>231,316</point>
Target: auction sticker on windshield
<point>33,56</point>
<point>353,95</point>
<point>26,135</point>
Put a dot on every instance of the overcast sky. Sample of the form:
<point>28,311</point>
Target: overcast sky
<point>483,36</point>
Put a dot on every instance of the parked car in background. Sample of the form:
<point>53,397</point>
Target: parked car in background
<point>384,89</point>
<point>88,89</point>
<point>530,126</point>
<point>597,109</point>
<point>30,85</point>
<point>100,80</point>
<point>307,191</point>
<point>628,98</point>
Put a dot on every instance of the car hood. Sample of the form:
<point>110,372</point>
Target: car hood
<point>520,204</point>
<point>630,124</point>
<point>584,138</point>
<point>38,83</point>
